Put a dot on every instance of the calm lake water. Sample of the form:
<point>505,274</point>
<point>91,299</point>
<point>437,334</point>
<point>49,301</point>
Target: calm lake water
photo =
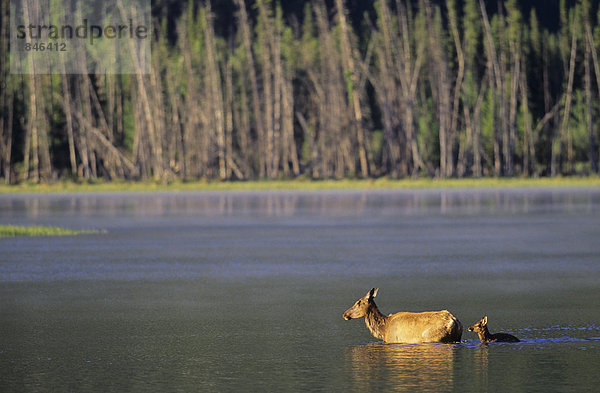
<point>245,291</point>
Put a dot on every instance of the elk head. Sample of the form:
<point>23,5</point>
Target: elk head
<point>359,309</point>
<point>479,326</point>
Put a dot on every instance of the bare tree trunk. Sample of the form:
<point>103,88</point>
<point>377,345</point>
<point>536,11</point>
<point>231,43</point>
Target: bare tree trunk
<point>477,166</point>
<point>529,139</point>
<point>387,89</point>
<point>149,128</point>
<point>32,148</point>
<point>242,121</point>
<point>351,73</point>
<point>69,120</point>
<point>442,92</point>
<point>266,63</point>
<point>278,82</point>
<point>33,128</point>
<point>565,137</point>
<point>6,134</point>
<point>288,128</point>
<point>6,99</point>
<point>457,85</point>
<point>228,107</point>
<point>409,76</point>
<point>175,125</point>
<point>496,76</point>
<point>590,52</point>
<point>334,135</point>
<point>215,95</point>
<point>509,143</point>
<point>111,151</point>
<point>81,136</point>
<point>547,105</point>
<point>507,90</point>
<point>110,97</point>
<point>260,128</point>
<point>192,115</point>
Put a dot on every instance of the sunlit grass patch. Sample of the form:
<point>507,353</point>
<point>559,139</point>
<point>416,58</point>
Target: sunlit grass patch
<point>13,230</point>
<point>299,184</point>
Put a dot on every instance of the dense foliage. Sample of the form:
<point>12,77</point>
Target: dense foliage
<point>422,88</point>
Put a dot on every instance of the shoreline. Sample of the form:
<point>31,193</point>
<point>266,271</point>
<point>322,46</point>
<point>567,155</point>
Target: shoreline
<point>298,185</point>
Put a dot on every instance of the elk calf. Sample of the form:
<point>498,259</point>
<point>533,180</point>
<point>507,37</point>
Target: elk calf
<point>486,337</point>
<point>406,327</point>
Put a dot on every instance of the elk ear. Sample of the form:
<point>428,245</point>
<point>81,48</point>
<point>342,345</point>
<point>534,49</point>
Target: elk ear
<point>484,320</point>
<point>372,293</point>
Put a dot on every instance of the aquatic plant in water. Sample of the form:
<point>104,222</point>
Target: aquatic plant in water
<point>13,230</point>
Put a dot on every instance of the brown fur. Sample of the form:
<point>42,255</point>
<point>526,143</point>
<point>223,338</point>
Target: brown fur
<point>486,337</point>
<point>405,327</point>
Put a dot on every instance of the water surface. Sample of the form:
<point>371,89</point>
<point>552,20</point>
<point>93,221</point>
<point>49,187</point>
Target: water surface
<point>245,291</point>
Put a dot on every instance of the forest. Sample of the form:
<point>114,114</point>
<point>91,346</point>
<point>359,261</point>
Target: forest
<point>329,90</point>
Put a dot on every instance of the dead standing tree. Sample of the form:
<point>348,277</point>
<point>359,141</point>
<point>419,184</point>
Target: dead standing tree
<point>214,93</point>
<point>590,57</point>
<point>7,97</point>
<point>245,27</point>
<point>351,76</point>
<point>399,57</point>
<point>497,88</point>
<point>333,137</point>
<point>441,87</point>
<point>270,75</point>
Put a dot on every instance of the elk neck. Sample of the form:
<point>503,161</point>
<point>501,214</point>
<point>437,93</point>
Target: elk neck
<point>376,322</point>
<point>484,334</point>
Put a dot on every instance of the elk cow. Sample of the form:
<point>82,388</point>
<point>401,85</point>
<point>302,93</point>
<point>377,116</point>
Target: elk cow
<point>406,327</point>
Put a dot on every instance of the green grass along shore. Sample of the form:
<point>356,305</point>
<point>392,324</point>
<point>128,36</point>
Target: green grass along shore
<point>299,185</point>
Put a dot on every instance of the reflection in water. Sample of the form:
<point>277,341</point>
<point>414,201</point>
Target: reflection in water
<point>288,204</point>
<point>402,367</point>
<point>480,364</point>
